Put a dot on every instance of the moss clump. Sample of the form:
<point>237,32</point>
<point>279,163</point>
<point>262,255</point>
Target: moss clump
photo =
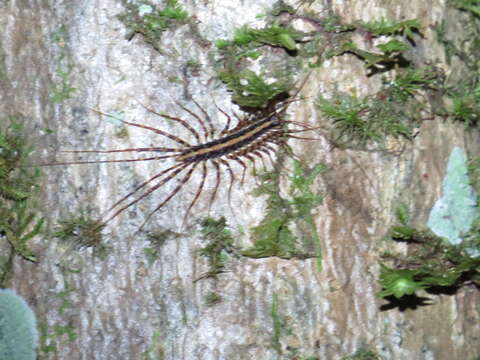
<point>363,353</point>
<point>392,111</point>
<point>251,90</point>
<point>273,236</point>
<point>156,239</point>
<point>219,246</point>
<point>82,232</point>
<point>212,298</point>
<point>19,222</point>
<point>432,261</point>
<point>387,27</point>
<point>143,18</point>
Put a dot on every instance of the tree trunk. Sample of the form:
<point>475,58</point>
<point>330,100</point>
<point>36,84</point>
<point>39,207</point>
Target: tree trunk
<point>62,61</point>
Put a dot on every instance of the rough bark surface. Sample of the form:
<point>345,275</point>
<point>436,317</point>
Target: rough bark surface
<point>122,307</point>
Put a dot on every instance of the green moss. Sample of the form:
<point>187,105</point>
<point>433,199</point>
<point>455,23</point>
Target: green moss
<point>157,240</point>
<point>391,54</point>
<point>431,262</point>
<point>250,90</point>
<point>53,337</point>
<point>82,232</point>
<point>212,298</point>
<point>392,111</point>
<point>19,184</point>
<point>272,35</point>
<point>273,236</point>
<point>156,350</point>
<point>63,89</point>
<point>472,6</point>
<point>388,27</point>
<point>279,325</point>
<point>144,19</point>
<point>219,246</point>
<point>363,353</point>
<point>462,88</point>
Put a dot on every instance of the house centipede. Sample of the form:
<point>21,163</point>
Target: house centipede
<point>253,137</point>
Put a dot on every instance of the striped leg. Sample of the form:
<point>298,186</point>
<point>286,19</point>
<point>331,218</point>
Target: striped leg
<point>217,184</point>
<point>172,194</point>
<point>152,189</point>
<point>182,122</point>
<point>157,131</point>
<point>197,194</point>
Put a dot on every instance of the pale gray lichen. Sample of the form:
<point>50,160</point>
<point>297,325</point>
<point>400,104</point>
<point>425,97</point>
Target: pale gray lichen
<point>456,210</point>
<point>18,328</point>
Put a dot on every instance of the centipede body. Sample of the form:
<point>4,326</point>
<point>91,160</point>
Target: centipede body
<point>254,137</point>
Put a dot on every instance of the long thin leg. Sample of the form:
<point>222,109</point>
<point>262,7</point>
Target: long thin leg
<point>215,189</point>
<point>229,120</point>
<point>234,157</point>
<point>260,155</point>
<point>252,159</point>
<point>172,194</point>
<point>148,191</point>
<point>157,131</point>
<point>142,185</point>
<point>299,137</point>
<point>209,120</point>
<point>232,180</point>
<point>199,119</point>
<point>173,118</point>
<point>199,191</point>
<point>266,150</point>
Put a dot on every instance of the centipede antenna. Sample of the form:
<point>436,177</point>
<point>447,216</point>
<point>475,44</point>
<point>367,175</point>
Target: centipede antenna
<point>197,194</point>
<point>157,131</point>
<point>149,191</point>
<point>150,149</point>
<point>182,122</point>
<point>103,161</point>
<point>172,194</point>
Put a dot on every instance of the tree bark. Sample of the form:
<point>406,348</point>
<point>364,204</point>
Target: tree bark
<point>122,306</point>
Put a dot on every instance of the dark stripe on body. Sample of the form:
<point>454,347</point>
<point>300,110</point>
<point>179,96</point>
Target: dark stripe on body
<point>228,144</point>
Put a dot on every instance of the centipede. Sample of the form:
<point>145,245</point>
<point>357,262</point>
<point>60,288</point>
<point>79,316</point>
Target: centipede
<point>256,136</point>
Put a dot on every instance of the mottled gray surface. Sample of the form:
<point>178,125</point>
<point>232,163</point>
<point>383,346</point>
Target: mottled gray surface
<point>121,307</point>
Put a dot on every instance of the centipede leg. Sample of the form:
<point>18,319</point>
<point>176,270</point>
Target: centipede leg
<point>182,122</point>
<point>234,157</point>
<point>227,125</point>
<point>199,191</point>
<point>172,194</point>
<point>217,184</point>
<point>232,180</point>
<point>177,170</point>
<point>260,155</point>
<point>157,131</point>
<point>207,117</point>
<point>206,133</point>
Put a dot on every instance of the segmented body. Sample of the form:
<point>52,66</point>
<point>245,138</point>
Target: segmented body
<point>251,139</point>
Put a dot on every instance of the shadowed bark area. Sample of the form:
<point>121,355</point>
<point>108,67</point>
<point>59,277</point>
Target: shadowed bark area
<point>137,299</point>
